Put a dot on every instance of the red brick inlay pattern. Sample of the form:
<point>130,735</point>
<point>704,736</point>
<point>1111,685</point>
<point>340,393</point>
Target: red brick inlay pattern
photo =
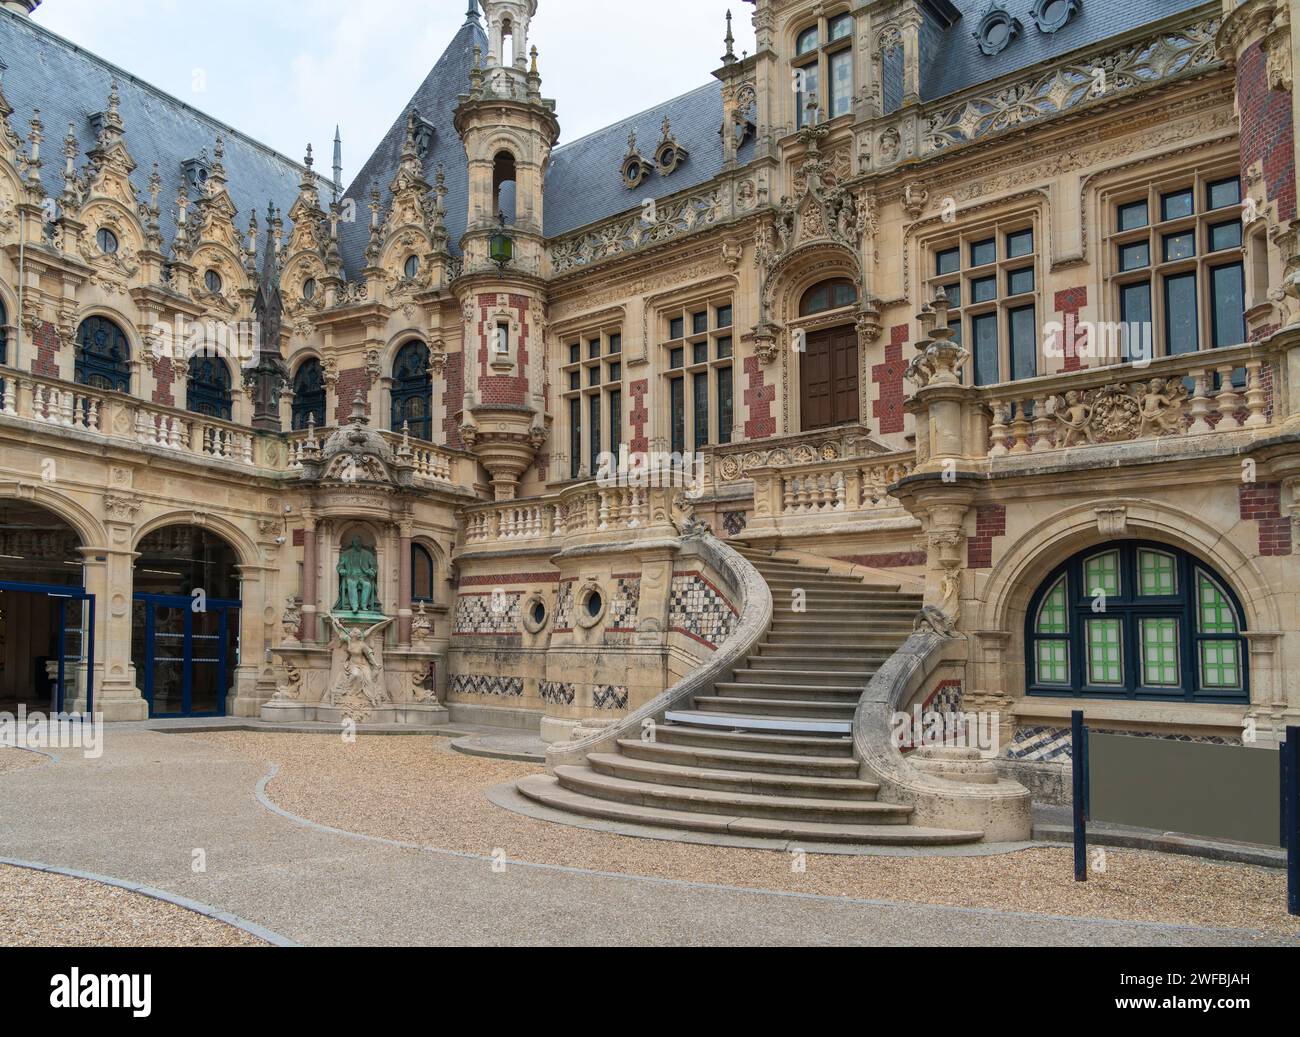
<point>164,374</point>
<point>350,383</point>
<point>990,522</point>
<point>46,361</point>
<point>1267,132</point>
<point>507,579</point>
<point>639,415</point>
<point>759,398</point>
<point>1068,304</point>
<point>888,408</point>
<point>1262,503</point>
<point>510,390</point>
<point>453,398</point>
<point>895,560</point>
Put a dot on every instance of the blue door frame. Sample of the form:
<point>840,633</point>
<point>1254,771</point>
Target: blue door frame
<point>223,610</point>
<point>64,596</point>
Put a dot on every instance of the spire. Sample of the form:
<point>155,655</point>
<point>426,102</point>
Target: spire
<point>729,58</point>
<point>338,164</point>
<point>472,14</point>
<point>268,376</point>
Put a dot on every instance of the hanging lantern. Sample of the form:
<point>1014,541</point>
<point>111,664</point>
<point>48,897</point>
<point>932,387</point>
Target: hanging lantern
<point>501,246</point>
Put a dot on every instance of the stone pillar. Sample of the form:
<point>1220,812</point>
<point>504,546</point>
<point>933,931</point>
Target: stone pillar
<point>406,535</point>
<point>310,627</point>
<point>108,576</point>
<point>254,679</point>
<point>911,29</point>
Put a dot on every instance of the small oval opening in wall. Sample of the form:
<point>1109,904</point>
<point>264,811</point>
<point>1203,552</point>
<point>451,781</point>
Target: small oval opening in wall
<point>594,604</point>
<point>539,613</point>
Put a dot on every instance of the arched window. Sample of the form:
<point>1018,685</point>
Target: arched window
<point>208,391</point>
<point>1137,620</point>
<point>103,355</point>
<point>421,574</point>
<point>829,295</point>
<point>413,391</point>
<point>503,185</point>
<point>4,333</point>
<point>308,394</point>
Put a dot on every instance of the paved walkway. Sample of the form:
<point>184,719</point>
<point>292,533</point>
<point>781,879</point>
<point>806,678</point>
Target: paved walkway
<point>140,811</point>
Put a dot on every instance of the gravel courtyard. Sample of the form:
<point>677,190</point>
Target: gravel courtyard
<point>418,789</point>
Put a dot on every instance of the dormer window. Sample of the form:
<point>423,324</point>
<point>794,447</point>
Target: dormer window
<point>997,29</point>
<point>212,281</point>
<point>823,70</point>
<point>424,138</point>
<point>195,171</point>
<point>107,241</point>
<point>1051,15</point>
<point>411,268</point>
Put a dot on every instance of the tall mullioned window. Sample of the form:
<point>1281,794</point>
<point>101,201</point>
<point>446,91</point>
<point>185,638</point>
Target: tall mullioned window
<point>209,388</point>
<point>413,391</point>
<point>699,358</point>
<point>1174,253</point>
<point>823,67</point>
<point>309,394</point>
<point>991,280</point>
<point>103,355</point>
<point>593,391</point>
<point>1137,620</point>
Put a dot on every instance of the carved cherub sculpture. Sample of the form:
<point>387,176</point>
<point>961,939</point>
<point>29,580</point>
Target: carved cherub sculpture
<point>1075,415</point>
<point>1162,406</point>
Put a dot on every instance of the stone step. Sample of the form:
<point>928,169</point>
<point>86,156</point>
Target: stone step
<point>825,678</point>
<point>777,725</point>
<point>830,746</point>
<point>844,622</point>
<point>547,790</point>
<point>738,804</point>
<point>781,642</point>
<point>845,694</point>
<point>786,708</point>
<point>844,598</point>
<point>737,759</point>
<point>753,783</point>
<point>861,663</point>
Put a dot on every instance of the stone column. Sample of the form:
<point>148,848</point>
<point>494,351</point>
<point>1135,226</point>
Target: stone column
<point>406,533</point>
<point>254,679</point>
<point>310,627</point>
<point>108,576</point>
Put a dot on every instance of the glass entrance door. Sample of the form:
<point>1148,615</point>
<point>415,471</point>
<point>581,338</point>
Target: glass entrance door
<point>183,657</point>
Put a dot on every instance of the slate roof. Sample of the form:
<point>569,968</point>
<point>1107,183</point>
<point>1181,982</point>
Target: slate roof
<point>584,183</point>
<point>435,100</point>
<point>69,85</point>
<point>955,61</point>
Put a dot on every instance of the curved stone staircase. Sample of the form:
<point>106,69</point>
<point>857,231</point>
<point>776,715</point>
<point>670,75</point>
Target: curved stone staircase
<point>768,753</point>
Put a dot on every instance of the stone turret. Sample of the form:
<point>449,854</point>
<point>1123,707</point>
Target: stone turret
<point>508,131</point>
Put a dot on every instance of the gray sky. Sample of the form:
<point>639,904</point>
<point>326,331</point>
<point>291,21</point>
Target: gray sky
<point>284,73</point>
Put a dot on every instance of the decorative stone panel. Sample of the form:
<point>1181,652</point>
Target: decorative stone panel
<point>609,696</point>
<point>564,608</point>
<point>699,610</point>
<point>487,614</point>
<point>1046,744</point>
<point>557,693</point>
<point>487,684</point>
<point>627,601</point>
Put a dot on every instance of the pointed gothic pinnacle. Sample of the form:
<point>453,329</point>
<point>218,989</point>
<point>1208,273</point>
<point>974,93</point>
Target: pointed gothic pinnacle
<point>729,58</point>
<point>472,14</point>
<point>533,54</point>
<point>308,161</point>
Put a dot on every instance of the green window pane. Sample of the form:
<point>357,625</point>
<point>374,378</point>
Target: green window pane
<point>1157,574</point>
<point>1216,615</point>
<point>1160,653</point>
<point>1053,662</point>
<point>1051,614</point>
<point>1105,652</point>
<point>1220,665</point>
<point>1102,574</point>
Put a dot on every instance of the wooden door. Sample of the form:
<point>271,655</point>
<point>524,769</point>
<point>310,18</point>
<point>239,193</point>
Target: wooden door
<point>829,379</point>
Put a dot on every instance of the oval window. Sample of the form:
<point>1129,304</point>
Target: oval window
<point>539,613</point>
<point>309,289</point>
<point>412,267</point>
<point>594,604</point>
<point>212,280</point>
<point>107,241</point>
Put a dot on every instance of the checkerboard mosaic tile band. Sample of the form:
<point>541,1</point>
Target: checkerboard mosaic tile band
<point>609,696</point>
<point>557,693</point>
<point>564,607</point>
<point>488,613</point>
<point>483,684</point>
<point>626,603</point>
<point>696,608</point>
<point>1051,744</point>
<point>946,698</point>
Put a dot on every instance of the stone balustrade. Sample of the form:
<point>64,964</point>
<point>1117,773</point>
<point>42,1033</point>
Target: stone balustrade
<point>433,464</point>
<point>1195,394</point>
<point>841,488</point>
<point>66,405</point>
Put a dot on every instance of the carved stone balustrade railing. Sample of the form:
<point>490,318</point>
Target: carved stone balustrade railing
<point>729,465</point>
<point>849,490</point>
<point>514,522</point>
<point>64,405</point>
<point>1195,394</point>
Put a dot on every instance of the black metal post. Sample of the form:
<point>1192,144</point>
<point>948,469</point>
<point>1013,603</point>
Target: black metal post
<point>1291,753</point>
<point>1079,761</point>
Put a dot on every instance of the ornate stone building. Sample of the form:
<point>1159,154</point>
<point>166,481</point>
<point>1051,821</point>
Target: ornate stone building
<point>982,305</point>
